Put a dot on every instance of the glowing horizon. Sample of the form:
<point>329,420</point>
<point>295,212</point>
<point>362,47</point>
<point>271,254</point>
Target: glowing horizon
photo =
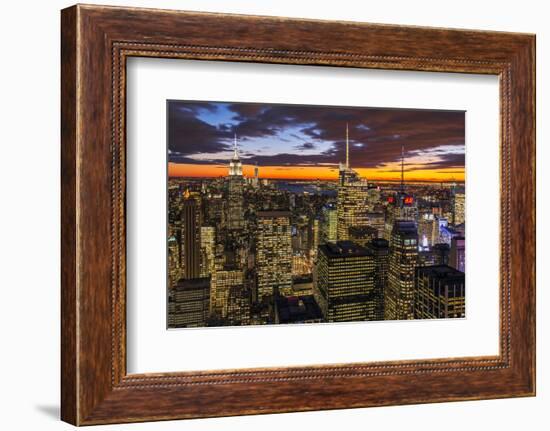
<point>187,170</point>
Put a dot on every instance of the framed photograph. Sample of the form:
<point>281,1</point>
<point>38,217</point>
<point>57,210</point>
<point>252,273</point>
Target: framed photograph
<point>265,215</point>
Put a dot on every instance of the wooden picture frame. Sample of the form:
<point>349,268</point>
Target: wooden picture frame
<point>95,43</point>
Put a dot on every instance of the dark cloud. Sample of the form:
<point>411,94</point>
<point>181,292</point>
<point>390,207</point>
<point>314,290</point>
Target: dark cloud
<point>305,146</point>
<point>187,134</point>
<point>376,135</point>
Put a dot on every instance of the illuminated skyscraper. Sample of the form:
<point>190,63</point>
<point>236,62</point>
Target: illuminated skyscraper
<point>191,236</point>
<point>235,217</point>
<point>273,253</point>
<point>329,224</point>
<point>344,288</point>
<point>188,303</point>
<point>425,229</point>
<point>175,271</point>
<point>352,201</point>
<point>316,237</point>
<point>399,295</point>
<point>457,256</point>
<point>208,244</point>
<point>238,305</point>
<point>459,208</point>
<point>440,292</point>
<point>224,278</point>
<point>381,252</point>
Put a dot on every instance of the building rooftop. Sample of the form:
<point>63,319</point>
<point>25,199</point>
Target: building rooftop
<point>362,231</point>
<point>405,227</point>
<point>193,283</point>
<point>273,214</point>
<point>343,249</point>
<point>379,243</point>
<point>297,309</point>
<point>440,272</point>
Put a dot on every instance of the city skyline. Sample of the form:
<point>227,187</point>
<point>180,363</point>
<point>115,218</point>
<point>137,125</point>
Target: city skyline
<point>250,249</point>
<point>306,142</point>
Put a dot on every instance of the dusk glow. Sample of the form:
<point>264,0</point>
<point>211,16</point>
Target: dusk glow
<point>308,142</point>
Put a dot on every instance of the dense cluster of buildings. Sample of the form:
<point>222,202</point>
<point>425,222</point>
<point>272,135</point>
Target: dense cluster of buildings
<point>251,251</point>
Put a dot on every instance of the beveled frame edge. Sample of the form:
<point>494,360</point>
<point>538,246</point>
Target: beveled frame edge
<point>96,41</point>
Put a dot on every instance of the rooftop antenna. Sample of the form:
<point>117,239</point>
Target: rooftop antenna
<point>402,167</point>
<point>235,155</point>
<point>347,147</point>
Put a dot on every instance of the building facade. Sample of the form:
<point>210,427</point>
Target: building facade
<point>399,295</point>
<point>191,236</point>
<point>273,253</point>
<point>440,293</point>
<point>188,303</point>
<point>344,287</point>
<point>380,249</point>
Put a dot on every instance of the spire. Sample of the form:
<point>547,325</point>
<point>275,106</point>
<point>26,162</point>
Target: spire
<point>347,147</point>
<point>402,167</point>
<point>235,154</point>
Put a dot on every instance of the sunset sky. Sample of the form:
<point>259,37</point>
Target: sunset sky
<point>308,142</point>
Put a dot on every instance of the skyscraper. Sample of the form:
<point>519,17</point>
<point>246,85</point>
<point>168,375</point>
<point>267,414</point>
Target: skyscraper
<point>329,224</point>
<point>175,271</point>
<point>273,253</point>
<point>457,256</point>
<point>188,303</point>
<point>225,277</point>
<point>235,217</point>
<point>399,295</point>
<point>440,292</point>
<point>208,244</point>
<point>191,234</point>
<point>380,249</point>
<point>256,179</point>
<point>352,200</point>
<point>238,305</point>
<point>459,208</point>
<point>344,287</point>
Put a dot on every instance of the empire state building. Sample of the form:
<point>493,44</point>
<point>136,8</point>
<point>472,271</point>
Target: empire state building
<point>235,219</point>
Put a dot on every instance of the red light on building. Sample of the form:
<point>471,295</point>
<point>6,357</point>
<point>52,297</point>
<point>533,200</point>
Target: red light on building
<point>408,200</point>
<point>391,199</point>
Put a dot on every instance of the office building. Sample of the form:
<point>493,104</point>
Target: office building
<point>352,200</point>
<point>191,232</point>
<point>459,207</point>
<point>399,295</point>
<point>457,255</point>
<point>188,303</point>
<point>273,253</point>
<point>329,224</point>
<point>440,292</point>
<point>380,250</point>
<point>297,309</point>
<point>344,287</point>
